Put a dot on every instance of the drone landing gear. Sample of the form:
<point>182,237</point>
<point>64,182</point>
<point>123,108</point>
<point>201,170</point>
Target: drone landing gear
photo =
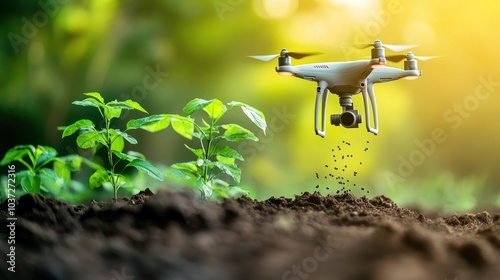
<point>321,99</point>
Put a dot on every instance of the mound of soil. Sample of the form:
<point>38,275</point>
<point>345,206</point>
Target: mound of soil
<point>173,235</point>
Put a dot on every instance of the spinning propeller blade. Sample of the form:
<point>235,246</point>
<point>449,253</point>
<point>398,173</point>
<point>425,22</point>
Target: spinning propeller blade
<point>299,55</point>
<point>296,55</point>
<point>399,57</point>
<point>264,57</point>
<point>395,48</point>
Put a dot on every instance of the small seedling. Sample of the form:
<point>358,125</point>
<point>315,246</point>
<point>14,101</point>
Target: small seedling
<point>213,157</point>
<point>112,139</point>
<point>38,177</point>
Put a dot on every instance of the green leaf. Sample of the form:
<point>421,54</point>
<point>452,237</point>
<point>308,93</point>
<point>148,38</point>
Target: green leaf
<point>69,130</point>
<point>88,139</point>
<point>135,105</point>
<point>96,95</point>
<point>50,181</point>
<point>135,154</point>
<point>231,170</point>
<point>174,173</point>
<point>228,152</point>
<point>98,178</point>
<point>117,141</point>
<point>62,169</point>
<point>197,152</point>
<point>256,116</point>
<point>158,125</point>
<point>44,155</point>
<point>29,182</point>
<point>127,104</point>
<point>236,133</point>
<point>144,122</point>
<point>195,105</point>
<point>215,109</point>
<point>88,102</point>
<point>188,166</point>
<point>111,112</point>
<point>183,126</point>
<point>225,160</point>
<point>145,167</point>
<point>16,153</point>
<point>124,156</point>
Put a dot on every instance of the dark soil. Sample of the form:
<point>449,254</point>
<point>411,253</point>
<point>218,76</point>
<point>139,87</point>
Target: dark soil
<point>173,235</point>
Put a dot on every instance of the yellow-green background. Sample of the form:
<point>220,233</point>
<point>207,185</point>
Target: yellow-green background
<point>106,46</point>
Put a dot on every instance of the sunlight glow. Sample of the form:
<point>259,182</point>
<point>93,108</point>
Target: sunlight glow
<point>274,9</point>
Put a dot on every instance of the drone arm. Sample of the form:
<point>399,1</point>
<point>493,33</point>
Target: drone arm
<point>368,93</point>
<point>321,99</point>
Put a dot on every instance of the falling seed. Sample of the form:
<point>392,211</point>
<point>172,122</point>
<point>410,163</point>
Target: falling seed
<point>367,191</point>
<point>342,157</point>
<point>367,141</point>
<point>347,180</point>
<point>326,165</point>
<point>338,191</point>
<point>343,169</point>
<point>362,189</point>
<point>334,160</point>
<point>327,188</point>
<point>325,177</point>
<point>317,186</point>
<point>345,166</point>
<point>354,184</point>
<point>360,162</point>
<point>317,176</point>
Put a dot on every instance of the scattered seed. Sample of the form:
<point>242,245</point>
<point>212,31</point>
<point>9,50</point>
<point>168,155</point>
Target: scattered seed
<point>317,186</point>
<point>326,165</point>
<point>327,188</point>
<point>317,176</point>
<point>362,189</point>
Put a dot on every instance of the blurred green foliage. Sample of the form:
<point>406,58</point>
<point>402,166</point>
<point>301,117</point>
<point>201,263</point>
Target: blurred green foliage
<point>164,53</point>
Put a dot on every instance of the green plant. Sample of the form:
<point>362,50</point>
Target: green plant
<point>113,140</point>
<point>213,158</point>
<point>38,177</point>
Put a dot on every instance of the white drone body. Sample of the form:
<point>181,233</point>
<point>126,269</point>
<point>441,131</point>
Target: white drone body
<point>347,79</point>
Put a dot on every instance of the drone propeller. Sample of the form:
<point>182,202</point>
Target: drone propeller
<point>409,56</point>
<point>284,52</point>
<point>395,48</point>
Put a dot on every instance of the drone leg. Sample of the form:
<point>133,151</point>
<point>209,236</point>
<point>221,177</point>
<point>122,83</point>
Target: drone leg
<point>321,99</point>
<point>368,93</point>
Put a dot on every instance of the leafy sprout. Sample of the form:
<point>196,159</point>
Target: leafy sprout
<point>213,156</point>
<point>45,172</point>
<point>112,139</point>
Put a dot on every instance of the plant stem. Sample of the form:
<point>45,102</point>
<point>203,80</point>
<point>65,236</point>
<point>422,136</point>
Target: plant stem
<point>109,142</point>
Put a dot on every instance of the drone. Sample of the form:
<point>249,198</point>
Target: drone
<point>348,78</point>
